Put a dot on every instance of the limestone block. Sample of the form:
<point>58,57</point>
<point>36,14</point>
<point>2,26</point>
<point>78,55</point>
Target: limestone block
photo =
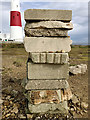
<point>45,32</point>
<point>50,58</point>
<point>47,71</point>
<point>78,69</point>
<point>54,58</point>
<point>47,14</point>
<point>57,59</point>
<point>35,57</point>
<point>46,84</point>
<point>46,44</point>
<point>46,107</point>
<point>64,58</point>
<point>49,24</point>
<point>42,58</point>
<point>49,96</point>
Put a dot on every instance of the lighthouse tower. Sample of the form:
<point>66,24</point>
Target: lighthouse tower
<point>15,22</point>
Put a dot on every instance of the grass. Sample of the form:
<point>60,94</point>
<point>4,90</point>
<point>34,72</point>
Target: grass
<point>77,53</point>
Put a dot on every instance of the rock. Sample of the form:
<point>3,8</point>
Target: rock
<point>74,99</point>
<point>29,116</point>
<point>72,109</point>
<point>8,97</point>
<point>14,93</point>
<point>49,24</point>
<point>13,115</point>
<point>47,71</point>
<point>1,101</point>
<point>7,115</point>
<point>47,44</point>
<point>85,111</point>
<point>46,84</point>
<point>84,105</point>
<point>7,90</point>
<point>45,107</point>
<point>6,103</point>
<point>51,58</point>
<point>47,14</point>
<point>78,69</point>
<point>45,32</point>
<point>21,116</point>
<point>15,110</point>
<point>35,57</point>
<point>42,57</point>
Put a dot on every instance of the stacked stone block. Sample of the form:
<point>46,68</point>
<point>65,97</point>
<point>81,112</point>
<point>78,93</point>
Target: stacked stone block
<point>47,42</point>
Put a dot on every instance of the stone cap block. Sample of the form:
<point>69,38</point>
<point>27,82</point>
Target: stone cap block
<point>47,44</point>
<point>46,84</point>
<point>49,24</point>
<point>48,14</point>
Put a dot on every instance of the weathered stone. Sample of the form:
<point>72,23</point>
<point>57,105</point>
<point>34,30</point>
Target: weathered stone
<point>77,69</point>
<point>46,44</point>
<point>46,84</point>
<point>47,71</point>
<point>83,68</point>
<point>64,58</point>
<point>50,58</point>
<point>44,14</point>
<point>74,99</point>
<point>54,58</point>
<point>15,110</point>
<point>49,24</point>
<point>45,107</point>
<point>43,96</point>
<point>48,96</point>
<point>45,32</point>
<point>84,105</point>
<point>43,58</point>
<point>57,59</point>
<point>35,57</point>
<point>66,94</point>
<point>1,101</point>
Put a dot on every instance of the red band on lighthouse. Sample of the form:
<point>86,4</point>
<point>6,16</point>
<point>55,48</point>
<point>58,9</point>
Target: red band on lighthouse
<point>15,18</point>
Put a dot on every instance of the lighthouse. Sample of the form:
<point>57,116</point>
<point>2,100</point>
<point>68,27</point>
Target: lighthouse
<point>15,22</point>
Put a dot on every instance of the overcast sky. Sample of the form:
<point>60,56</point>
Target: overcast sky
<point>79,16</point>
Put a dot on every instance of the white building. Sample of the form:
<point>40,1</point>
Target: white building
<point>4,36</point>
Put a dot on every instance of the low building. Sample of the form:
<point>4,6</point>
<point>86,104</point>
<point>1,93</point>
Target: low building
<point>4,36</point>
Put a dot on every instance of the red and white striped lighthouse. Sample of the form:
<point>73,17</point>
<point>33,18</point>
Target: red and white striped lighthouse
<point>15,21</point>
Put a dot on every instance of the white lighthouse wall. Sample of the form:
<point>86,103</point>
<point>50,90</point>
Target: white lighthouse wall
<point>15,5</point>
<point>16,33</point>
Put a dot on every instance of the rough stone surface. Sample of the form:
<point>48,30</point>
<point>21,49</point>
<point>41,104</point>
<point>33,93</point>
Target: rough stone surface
<point>64,58</point>
<point>42,57</point>
<point>35,57</point>
<point>46,44</point>
<point>45,32</point>
<point>45,107</point>
<point>46,84</point>
<point>47,14</point>
<point>77,69</point>
<point>49,24</point>
<point>48,96</point>
<point>57,58</point>
<point>47,71</point>
<point>54,58</point>
<point>50,58</point>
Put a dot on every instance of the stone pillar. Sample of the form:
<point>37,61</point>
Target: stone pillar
<point>47,42</point>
